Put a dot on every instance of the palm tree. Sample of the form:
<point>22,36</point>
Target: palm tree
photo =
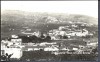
<point>8,56</point>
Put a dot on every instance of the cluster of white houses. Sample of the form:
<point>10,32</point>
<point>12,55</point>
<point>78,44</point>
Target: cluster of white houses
<point>16,46</point>
<point>69,32</point>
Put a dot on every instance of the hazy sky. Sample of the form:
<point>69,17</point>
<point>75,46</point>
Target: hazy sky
<point>71,7</point>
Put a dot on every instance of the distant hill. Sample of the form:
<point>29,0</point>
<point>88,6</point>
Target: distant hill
<point>12,21</point>
<point>22,17</point>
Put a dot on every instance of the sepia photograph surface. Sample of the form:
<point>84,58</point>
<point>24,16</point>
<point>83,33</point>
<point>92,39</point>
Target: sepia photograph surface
<point>49,31</point>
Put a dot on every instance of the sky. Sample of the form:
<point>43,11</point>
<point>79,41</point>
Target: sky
<point>89,8</point>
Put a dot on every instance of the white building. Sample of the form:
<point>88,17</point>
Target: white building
<point>74,26</point>
<point>30,49</point>
<point>37,49</point>
<point>14,36</point>
<point>51,49</point>
<point>53,38</point>
<point>65,49</point>
<point>75,49</point>
<point>92,44</point>
<point>3,47</point>
<point>38,34</point>
<point>62,33</point>
<point>16,40</point>
<point>83,32</point>
<point>61,27</point>
<point>17,53</point>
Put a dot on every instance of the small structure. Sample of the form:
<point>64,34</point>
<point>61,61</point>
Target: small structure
<point>51,49</point>
<point>16,40</point>
<point>14,36</point>
<point>75,49</point>
<point>92,44</point>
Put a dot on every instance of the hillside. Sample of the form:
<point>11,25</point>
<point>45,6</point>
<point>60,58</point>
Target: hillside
<point>12,21</point>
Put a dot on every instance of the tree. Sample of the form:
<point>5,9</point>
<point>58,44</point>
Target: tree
<point>48,38</point>
<point>6,57</point>
<point>42,36</point>
<point>65,37</point>
<point>94,50</point>
<point>34,38</point>
<point>9,56</point>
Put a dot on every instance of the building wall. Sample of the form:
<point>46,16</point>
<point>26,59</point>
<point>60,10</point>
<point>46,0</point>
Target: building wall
<point>17,53</point>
